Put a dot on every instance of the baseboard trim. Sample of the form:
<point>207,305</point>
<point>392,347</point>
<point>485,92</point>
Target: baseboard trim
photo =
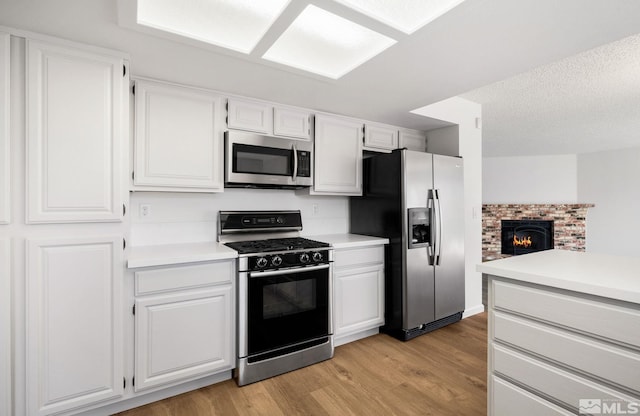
<point>473,311</point>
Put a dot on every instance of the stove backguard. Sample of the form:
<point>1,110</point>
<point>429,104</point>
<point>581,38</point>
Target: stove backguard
<point>526,236</point>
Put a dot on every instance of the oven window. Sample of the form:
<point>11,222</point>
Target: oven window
<point>287,309</point>
<point>262,160</point>
<point>288,298</point>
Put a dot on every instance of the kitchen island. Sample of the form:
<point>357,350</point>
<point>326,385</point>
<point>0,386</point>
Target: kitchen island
<point>564,333</point>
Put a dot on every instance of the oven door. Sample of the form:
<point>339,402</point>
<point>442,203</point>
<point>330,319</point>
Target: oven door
<point>287,310</point>
<point>252,159</point>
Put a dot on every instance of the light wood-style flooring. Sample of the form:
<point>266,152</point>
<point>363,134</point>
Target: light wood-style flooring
<point>441,373</point>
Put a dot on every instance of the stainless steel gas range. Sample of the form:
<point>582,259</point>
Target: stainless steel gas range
<point>283,293</point>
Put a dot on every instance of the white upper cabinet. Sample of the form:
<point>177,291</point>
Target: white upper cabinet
<point>380,137</point>
<point>412,140</point>
<point>249,115</point>
<point>337,156</point>
<point>265,118</point>
<point>178,138</point>
<point>74,325</point>
<point>5,159</point>
<point>75,134</point>
<point>290,122</point>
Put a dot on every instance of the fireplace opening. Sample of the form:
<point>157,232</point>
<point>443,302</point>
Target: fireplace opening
<point>526,236</point>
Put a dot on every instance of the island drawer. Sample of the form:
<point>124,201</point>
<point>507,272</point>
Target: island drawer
<point>507,399</point>
<point>600,360</point>
<point>615,322</point>
<point>565,387</point>
<point>346,257</point>
<point>188,276</point>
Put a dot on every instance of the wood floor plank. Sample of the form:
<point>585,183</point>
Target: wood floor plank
<point>440,373</point>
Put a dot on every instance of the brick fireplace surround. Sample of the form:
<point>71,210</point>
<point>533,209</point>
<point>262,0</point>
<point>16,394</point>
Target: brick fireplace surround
<point>569,224</point>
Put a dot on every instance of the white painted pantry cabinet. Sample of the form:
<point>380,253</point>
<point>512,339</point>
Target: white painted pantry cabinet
<point>76,135</point>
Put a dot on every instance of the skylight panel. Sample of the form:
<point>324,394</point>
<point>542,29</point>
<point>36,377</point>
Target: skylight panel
<point>232,24</point>
<point>326,44</point>
<point>404,15</point>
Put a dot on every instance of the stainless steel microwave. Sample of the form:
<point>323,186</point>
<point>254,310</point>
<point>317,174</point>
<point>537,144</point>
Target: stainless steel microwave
<point>253,160</point>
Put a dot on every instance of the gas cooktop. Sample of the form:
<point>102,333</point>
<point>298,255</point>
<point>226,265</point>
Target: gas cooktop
<point>276,245</point>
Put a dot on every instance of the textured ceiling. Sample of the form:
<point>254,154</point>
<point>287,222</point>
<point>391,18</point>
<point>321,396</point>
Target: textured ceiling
<point>585,103</point>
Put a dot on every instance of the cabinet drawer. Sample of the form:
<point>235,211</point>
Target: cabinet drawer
<point>183,277</point>
<point>358,256</point>
<point>610,321</point>
<point>508,399</point>
<point>598,359</point>
<point>566,387</point>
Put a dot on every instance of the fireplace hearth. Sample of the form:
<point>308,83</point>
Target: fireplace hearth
<point>526,236</point>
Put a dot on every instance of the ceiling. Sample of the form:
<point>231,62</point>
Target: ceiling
<point>511,56</point>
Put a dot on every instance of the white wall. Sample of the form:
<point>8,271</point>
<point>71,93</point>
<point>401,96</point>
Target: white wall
<point>610,180</point>
<point>530,180</point>
<point>192,217</point>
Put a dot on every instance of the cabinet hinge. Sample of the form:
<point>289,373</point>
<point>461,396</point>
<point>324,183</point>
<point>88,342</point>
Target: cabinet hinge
<point>124,210</point>
<point>124,70</point>
<point>226,106</point>
<point>124,244</point>
<point>133,310</point>
<point>133,381</point>
<point>124,383</point>
<point>133,89</point>
<point>133,175</point>
<point>226,120</point>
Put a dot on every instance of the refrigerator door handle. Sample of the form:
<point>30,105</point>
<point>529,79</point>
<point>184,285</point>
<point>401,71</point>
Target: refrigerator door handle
<point>438,228</point>
<point>432,239</point>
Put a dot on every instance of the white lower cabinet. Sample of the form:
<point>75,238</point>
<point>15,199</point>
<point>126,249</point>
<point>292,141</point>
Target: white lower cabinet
<point>358,292</point>
<point>74,348</point>
<point>557,352</point>
<point>184,323</point>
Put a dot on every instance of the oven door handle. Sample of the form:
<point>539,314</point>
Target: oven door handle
<point>280,272</point>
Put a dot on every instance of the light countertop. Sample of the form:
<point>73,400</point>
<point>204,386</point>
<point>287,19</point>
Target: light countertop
<point>339,241</point>
<point>615,277</point>
<point>166,254</point>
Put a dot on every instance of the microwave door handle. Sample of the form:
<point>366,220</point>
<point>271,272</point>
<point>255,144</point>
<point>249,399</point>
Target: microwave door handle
<point>295,163</point>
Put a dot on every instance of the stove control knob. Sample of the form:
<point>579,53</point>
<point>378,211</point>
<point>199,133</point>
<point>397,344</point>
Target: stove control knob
<point>276,261</point>
<point>304,258</point>
<point>317,256</point>
<point>262,262</point>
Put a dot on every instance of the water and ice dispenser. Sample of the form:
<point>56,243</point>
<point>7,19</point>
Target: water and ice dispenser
<point>419,227</point>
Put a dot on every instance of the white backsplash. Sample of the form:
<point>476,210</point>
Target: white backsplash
<point>191,217</point>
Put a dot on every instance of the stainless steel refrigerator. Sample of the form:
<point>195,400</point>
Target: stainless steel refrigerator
<point>416,200</point>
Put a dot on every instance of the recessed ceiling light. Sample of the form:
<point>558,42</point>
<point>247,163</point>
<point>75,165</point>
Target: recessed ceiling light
<point>326,44</point>
<point>232,24</point>
<point>405,15</point>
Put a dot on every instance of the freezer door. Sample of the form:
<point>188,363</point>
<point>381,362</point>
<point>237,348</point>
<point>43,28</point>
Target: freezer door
<point>449,269</point>
<point>418,288</point>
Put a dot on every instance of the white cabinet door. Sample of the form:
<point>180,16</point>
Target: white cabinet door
<point>289,122</point>
<point>6,340</point>
<point>359,299</point>
<point>75,108</point>
<point>183,335</point>
<point>74,354</point>
<point>249,115</point>
<point>379,137</point>
<point>412,141</point>
<point>337,156</point>
<point>5,158</point>
<point>178,137</point>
